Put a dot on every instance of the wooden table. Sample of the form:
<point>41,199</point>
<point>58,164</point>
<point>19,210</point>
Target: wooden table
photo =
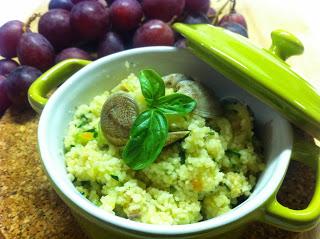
<point>302,18</point>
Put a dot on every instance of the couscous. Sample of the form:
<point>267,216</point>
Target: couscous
<point>200,176</point>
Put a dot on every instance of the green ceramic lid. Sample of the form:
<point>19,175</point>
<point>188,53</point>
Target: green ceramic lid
<point>261,72</point>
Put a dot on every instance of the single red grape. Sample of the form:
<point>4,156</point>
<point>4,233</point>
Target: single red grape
<point>10,34</point>
<point>235,18</point>
<point>196,18</point>
<point>90,19</point>
<point>72,52</point>
<point>7,65</point>
<point>18,83</point>
<point>62,4</point>
<point>111,43</point>
<point>35,50</point>
<point>125,14</point>
<point>55,26</point>
<point>235,27</point>
<point>5,102</point>
<point>103,2</point>
<point>197,5</point>
<point>153,33</point>
<point>164,10</point>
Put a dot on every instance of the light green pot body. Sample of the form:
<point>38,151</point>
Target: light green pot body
<point>106,73</point>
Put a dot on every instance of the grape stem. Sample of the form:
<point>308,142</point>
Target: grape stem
<point>233,7</point>
<point>216,18</point>
<point>27,25</point>
<point>173,19</point>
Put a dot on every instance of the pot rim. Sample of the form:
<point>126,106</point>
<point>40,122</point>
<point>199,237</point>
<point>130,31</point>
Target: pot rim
<point>247,207</point>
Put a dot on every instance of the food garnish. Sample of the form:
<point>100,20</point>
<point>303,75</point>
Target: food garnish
<point>149,132</point>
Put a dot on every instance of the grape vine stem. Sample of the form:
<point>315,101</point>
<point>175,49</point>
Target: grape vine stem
<point>215,20</point>
<point>233,5</point>
<point>30,20</point>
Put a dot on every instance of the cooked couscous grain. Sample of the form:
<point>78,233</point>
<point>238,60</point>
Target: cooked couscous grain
<point>198,178</point>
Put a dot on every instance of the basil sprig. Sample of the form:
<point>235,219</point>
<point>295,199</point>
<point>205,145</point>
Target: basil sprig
<point>147,138</point>
<point>149,132</point>
<point>175,104</point>
<point>152,85</point>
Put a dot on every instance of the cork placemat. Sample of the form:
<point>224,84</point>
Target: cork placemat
<point>29,207</point>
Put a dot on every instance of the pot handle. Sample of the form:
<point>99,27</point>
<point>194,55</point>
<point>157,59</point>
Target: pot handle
<point>48,81</point>
<point>306,151</point>
<point>285,44</point>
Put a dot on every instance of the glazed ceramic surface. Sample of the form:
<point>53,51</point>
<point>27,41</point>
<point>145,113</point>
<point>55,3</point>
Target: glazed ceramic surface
<point>104,74</point>
<point>261,72</point>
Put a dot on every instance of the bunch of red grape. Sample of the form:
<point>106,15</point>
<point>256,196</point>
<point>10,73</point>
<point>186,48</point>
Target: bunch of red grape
<point>90,29</point>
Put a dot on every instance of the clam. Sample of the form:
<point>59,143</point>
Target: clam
<point>176,136</point>
<point>173,79</point>
<point>117,117</point>
<point>207,104</point>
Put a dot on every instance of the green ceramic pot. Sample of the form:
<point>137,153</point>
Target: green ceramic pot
<point>103,74</point>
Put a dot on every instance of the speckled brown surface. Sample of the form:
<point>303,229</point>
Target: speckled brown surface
<point>295,192</point>
<point>29,207</point>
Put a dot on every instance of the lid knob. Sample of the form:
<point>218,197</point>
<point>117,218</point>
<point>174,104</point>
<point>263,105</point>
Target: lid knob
<point>285,44</point>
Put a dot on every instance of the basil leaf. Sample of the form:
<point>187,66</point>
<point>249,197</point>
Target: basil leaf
<point>175,104</point>
<point>152,85</point>
<point>147,138</point>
